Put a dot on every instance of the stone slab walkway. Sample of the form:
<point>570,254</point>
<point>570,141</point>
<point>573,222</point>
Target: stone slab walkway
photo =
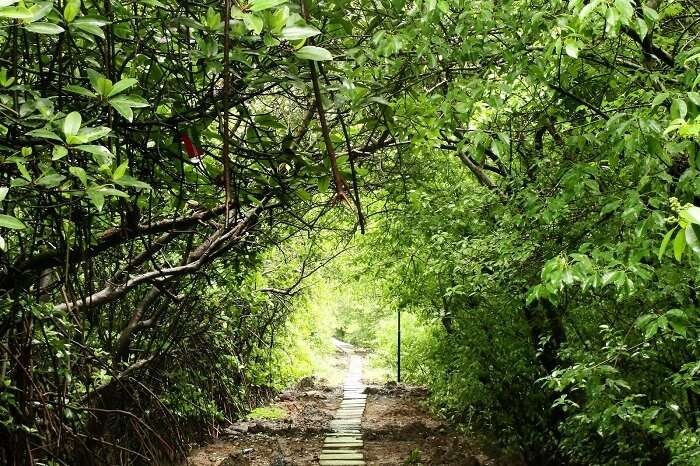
<point>343,445</point>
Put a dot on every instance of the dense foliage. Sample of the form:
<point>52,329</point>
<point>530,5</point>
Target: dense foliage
<point>554,313</point>
<point>526,171</point>
<point>152,155</point>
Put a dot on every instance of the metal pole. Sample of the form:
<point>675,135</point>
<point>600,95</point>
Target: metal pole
<point>398,348</point>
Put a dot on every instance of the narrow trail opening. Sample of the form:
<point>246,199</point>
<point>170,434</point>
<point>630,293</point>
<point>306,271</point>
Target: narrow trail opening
<point>344,446</point>
<point>358,422</point>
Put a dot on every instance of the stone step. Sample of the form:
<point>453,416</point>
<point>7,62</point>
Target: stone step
<point>342,462</point>
<point>350,455</point>
<point>342,439</point>
<point>352,445</point>
<point>343,445</point>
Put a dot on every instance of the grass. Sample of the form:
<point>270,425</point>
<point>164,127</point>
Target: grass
<point>270,413</point>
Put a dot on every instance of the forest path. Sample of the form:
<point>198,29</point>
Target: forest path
<point>343,446</point>
<point>352,424</point>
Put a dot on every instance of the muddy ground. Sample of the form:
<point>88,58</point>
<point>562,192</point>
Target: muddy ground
<point>396,428</point>
<point>293,440</point>
<point>399,430</point>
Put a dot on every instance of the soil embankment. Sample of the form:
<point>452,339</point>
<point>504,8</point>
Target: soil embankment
<point>396,429</point>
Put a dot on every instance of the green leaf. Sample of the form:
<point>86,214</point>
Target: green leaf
<point>124,103</point>
<point>694,97</point>
<point>120,170</point>
<point>642,28</point>
<point>213,19</point>
<point>253,23</point>
<point>610,207</point>
<point>3,192</point>
<point>97,198</point>
<point>112,192</point>
<point>692,214</point>
<point>51,181</point>
<point>236,12</point>
<point>127,180</point>
<point>323,183</point>
<point>587,9</point>
<point>40,10</point>
<point>678,320</point>
<point>679,245</point>
<point>691,238</point>
<point>124,110</point>
<point>259,5</point>
<point>92,134</point>
<point>90,26</point>
<point>625,8</point>
<point>679,327</point>
<point>612,20</point>
<point>75,89</point>
<point>101,154</point>
<point>650,13</point>
<point>278,20</point>
<point>58,152</point>
<point>133,101</point>
<point>664,243</point>
<point>122,85</point>
<point>4,3</point>
<point>71,10</point>
<point>617,277</point>
<point>23,171</point>
<point>75,139</point>
<point>644,321</point>
<point>44,133</point>
<point>299,32</point>
<point>7,221</point>
<point>311,52</point>
<point>659,99</point>
<point>651,330</point>
<point>71,124</point>
<point>303,194</point>
<point>16,12</point>
<point>103,86</point>
<point>18,182</point>
<point>80,174</point>
<point>92,21</point>
<point>679,109</point>
<point>571,47</point>
<point>44,28</point>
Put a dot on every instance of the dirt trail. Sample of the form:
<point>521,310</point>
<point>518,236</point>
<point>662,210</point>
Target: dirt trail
<point>399,430</point>
<point>396,429</point>
<point>343,446</point>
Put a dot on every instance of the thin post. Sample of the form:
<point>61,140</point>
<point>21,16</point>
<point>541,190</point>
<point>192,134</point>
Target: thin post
<point>398,347</point>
